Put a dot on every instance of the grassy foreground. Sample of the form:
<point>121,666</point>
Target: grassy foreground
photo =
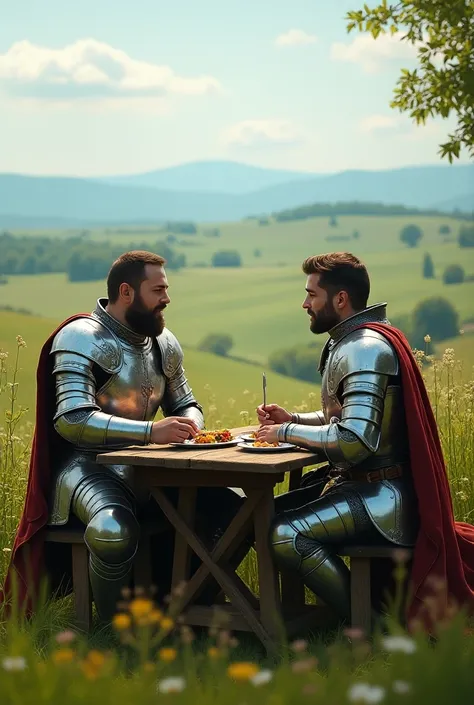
<point>149,657</point>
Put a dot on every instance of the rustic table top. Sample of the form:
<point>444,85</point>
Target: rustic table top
<point>228,458</point>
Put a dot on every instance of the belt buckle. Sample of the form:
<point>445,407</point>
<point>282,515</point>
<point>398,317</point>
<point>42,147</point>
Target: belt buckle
<point>373,476</point>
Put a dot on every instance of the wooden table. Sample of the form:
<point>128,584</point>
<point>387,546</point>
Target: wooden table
<point>271,617</point>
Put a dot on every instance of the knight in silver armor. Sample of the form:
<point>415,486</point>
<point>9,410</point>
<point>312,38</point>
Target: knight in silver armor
<point>363,494</point>
<point>113,371</point>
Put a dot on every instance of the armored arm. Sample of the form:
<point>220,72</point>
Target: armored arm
<point>362,385</point>
<point>178,399</point>
<point>311,418</point>
<point>78,418</point>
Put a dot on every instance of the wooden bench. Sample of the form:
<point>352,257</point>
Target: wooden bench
<point>362,561</point>
<point>80,566</point>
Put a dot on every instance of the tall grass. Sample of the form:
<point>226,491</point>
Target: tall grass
<point>150,657</point>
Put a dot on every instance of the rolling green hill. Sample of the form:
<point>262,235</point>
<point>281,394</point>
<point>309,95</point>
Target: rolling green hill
<point>224,387</point>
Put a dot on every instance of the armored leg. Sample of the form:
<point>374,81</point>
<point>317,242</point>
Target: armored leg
<point>305,539</point>
<point>112,532</point>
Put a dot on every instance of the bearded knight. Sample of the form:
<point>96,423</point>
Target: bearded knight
<point>364,494</point>
<point>110,373</point>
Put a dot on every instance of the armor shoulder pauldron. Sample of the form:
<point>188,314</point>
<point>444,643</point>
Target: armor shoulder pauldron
<point>363,350</point>
<point>89,338</point>
<point>171,352</point>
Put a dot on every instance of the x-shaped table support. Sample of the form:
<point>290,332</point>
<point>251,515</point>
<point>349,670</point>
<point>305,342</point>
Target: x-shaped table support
<point>265,618</point>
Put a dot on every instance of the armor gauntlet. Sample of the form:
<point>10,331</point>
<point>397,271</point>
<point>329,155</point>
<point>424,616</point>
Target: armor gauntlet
<point>78,418</point>
<point>347,441</point>
<point>312,418</point>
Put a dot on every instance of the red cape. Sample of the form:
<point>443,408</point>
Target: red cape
<point>444,550</point>
<point>27,566</point>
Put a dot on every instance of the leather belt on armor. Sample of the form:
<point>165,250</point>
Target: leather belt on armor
<point>359,475</point>
<point>390,473</point>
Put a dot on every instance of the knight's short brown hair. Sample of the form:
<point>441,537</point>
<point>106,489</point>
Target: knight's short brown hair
<point>129,268</point>
<point>341,271</point>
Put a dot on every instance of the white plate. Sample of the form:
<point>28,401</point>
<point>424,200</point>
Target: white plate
<point>265,449</point>
<point>187,444</point>
<point>247,437</point>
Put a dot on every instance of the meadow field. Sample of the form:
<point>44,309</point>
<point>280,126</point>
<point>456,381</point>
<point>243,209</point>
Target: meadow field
<point>259,305</point>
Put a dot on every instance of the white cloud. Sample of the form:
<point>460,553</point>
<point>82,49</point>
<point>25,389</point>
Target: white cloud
<point>261,133</point>
<point>372,54</point>
<point>92,70</point>
<point>295,37</point>
<point>377,123</point>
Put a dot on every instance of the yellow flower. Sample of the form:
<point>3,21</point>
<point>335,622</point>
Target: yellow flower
<point>167,623</point>
<point>427,338</point>
<point>89,670</point>
<point>141,607</point>
<point>213,652</point>
<point>242,670</point>
<point>167,654</point>
<point>121,622</point>
<point>155,616</point>
<point>63,656</point>
<point>96,658</point>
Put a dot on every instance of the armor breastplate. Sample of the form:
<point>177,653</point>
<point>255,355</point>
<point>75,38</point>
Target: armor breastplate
<point>393,447</point>
<point>137,389</point>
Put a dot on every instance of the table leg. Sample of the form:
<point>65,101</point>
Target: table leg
<point>182,554</point>
<point>292,587</point>
<point>270,604</point>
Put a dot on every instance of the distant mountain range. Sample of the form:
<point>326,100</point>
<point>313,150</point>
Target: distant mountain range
<point>221,191</point>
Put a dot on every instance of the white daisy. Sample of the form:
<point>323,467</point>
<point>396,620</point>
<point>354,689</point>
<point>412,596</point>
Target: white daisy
<point>365,693</point>
<point>399,643</point>
<point>262,677</point>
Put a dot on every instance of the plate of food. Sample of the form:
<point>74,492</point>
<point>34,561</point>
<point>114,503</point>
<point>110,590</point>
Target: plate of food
<point>209,439</point>
<point>265,447</point>
<point>250,437</point>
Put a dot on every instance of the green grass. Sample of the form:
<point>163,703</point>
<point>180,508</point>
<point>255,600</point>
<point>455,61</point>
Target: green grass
<point>286,243</point>
<point>220,384</point>
<point>259,307</point>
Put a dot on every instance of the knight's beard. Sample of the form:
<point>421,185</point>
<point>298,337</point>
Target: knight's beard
<point>144,321</point>
<point>324,320</point>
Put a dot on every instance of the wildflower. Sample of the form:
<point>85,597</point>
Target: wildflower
<point>121,622</point>
<point>63,656</point>
<point>462,496</point>
<point>167,654</point>
<point>187,635</point>
<point>365,693</point>
<point>173,684</point>
<point>401,687</point>
<point>167,624</point>
<point>399,643</point>
<point>96,658</point>
<point>427,338</point>
<point>3,355</point>
<point>299,646</point>
<point>6,550</point>
<point>14,663</point>
<point>213,652</point>
<point>242,670</point>
<point>140,607</point>
<point>65,637</point>
<point>354,633</point>
<point>20,342</point>
<point>262,677</point>
<point>155,617</point>
<point>304,665</point>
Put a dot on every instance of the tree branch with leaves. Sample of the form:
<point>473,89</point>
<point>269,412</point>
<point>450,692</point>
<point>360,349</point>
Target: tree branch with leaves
<point>443,83</point>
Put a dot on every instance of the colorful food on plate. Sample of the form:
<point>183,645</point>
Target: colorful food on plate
<point>220,436</point>
<point>265,444</point>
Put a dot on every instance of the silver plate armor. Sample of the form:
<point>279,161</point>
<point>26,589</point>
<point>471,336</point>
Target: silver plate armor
<point>110,383</point>
<point>360,429</point>
<point>365,425</point>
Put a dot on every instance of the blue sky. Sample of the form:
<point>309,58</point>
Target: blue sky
<point>108,87</point>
